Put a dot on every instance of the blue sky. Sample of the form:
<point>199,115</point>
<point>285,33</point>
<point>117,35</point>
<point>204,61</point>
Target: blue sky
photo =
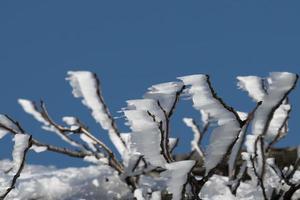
<point>134,44</point>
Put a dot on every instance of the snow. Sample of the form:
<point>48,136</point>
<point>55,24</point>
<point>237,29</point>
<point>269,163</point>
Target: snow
<point>4,121</point>
<point>227,131</point>
<point>73,122</point>
<point>38,149</point>
<point>280,83</point>
<point>102,182</point>
<point>21,144</point>
<point>2,133</point>
<point>172,143</point>
<point>177,174</point>
<point>40,182</point>
<point>197,135</point>
<point>279,117</point>
<point>236,150</point>
<point>138,194</point>
<point>85,85</point>
<point>243,116</point>
<point>145,136</point>
<point>29,107</point>
<point>165,93</point>
<point>147,119</point>
<point>253,85</point>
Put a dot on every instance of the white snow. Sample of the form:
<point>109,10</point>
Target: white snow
<point>3,132</point>
<point>21,144</point>
<point>253,85</point>
<point>102,182</point>
<point>89,183</point>
<point>29,107</point>
<point>279,117</point>
<point>177,174</point>
<point>85,85</point>
<point>243,116</point>
<point>172,143</point>
<point>227,131</point>
<point>38,149</point>
<point>8,124</point>
<point>197,134</point>
<point>145,136</point>
<point>165,93</point>
<point>279,84</point>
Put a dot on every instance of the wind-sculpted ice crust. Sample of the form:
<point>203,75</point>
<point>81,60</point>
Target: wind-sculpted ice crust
<point>147,167</point>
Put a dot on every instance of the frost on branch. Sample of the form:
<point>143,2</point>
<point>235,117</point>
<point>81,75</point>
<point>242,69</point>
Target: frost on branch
<point>86,85</point>
<point>21,146</point>
<point>146,136</point>
<point>148,168</point>
<point>223,136</point>
<point>42,116</point>
<point>177,175</point>
<point>195,143</point>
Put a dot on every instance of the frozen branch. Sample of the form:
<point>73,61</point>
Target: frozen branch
<point>198,135</point>
<point>86,85</point>
<point>22,144</point>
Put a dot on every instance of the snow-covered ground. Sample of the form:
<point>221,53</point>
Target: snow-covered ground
<point>40,182</point>
<point>101,182</point>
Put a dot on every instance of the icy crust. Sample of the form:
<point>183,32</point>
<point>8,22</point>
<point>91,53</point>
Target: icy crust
<point>144,117</point>
<point>145,136</point>
<point>89,183</point>
<point>228,127</point>
<point>22,142</point>
<point>279,119</point>
<point>165,93</point>
<point>253,85</point>
<point>235,151</point>
<point>102,182</point>
<point>258,89</point>
<point>217,188</point>
<point>85,85</point>
<point>177,174</point>
<point>197,135</point>
<point>4,121</point>
<point>30,108</point>
<point>280,83</point>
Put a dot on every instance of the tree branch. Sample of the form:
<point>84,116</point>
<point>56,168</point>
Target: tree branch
<point>18,173</point>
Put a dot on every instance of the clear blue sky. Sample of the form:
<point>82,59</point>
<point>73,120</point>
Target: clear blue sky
<point>134,44</point>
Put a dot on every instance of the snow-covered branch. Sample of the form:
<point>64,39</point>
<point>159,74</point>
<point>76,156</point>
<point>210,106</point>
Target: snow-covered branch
<point>86,85</point>
<point>149,169</point>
